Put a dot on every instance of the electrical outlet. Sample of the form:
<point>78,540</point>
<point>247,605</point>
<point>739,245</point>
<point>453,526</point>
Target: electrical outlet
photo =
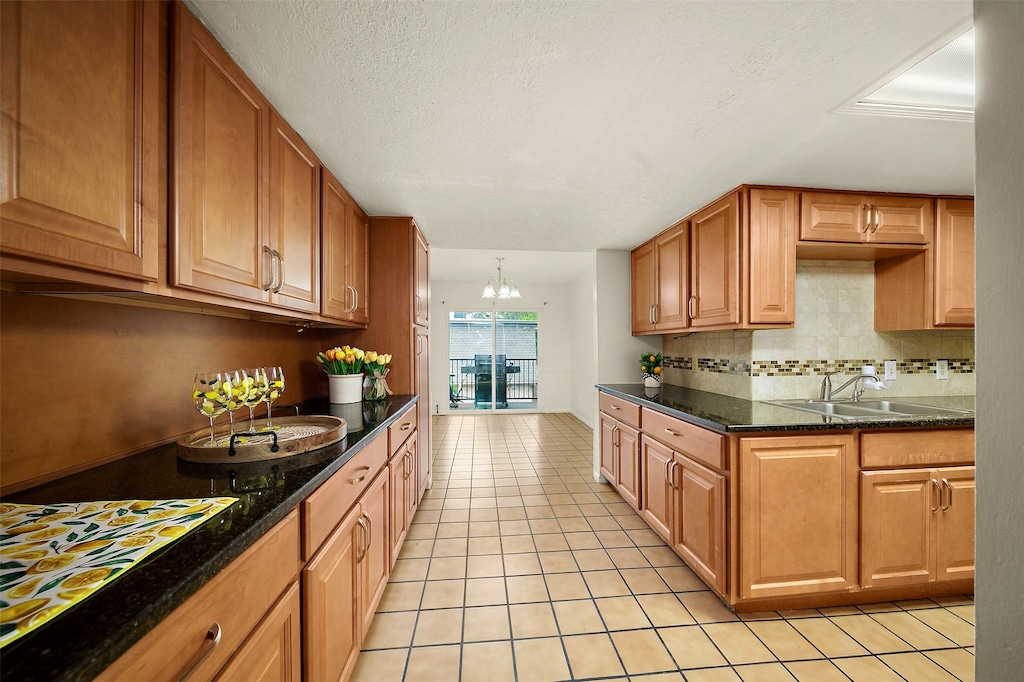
<point>890,370</point>
<point>942,369</point>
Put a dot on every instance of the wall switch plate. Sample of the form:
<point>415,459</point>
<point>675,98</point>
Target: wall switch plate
<point>942,369</point>
<point>890,370</point>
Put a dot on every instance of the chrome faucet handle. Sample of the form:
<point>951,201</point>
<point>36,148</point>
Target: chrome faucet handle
<point>826,386</point>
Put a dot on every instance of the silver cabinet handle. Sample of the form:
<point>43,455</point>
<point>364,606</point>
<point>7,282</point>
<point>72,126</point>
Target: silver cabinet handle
<point>867,217</point>
<point>938,496</point>
<point>406,426</point>
<point>407,466</point>
<point>878,219</point>
<point>360,479</point>
<point>672,470</point>
<point>949,494</point>
<point>355,306</point>
<point>209,644</point>
<point>366,534</point>
<point>668,463</point>
<point>615,437</point>
<point>614,407</point>
<point>673,433</point>
<point>280,263</point>
<point>351,289</point>
<point>656,313</point>
<point>369,532</point>
<point>650,314</point>
<point>273,271</point>
<point>691,307</point>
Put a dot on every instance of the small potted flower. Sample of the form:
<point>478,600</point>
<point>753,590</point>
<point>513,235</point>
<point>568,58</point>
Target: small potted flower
<point>344,368</point>
<point>650,365</point>
<point>376,366</point>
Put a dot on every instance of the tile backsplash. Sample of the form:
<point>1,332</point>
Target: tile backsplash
<point>834,331</point>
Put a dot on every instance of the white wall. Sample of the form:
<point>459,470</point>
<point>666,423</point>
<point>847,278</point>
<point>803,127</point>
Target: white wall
<point>999,211</point>
<point>583,366</point>
<point>551,302</point>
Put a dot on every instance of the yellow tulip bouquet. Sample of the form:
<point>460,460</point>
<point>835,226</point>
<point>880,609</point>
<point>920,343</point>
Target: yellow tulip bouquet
<point>376,365</point>
<point>344,360</point>
<point>650,364</point>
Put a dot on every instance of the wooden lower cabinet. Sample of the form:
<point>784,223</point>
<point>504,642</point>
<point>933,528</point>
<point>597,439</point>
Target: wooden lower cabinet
<point>657,491</point>
<point>620,458</point>
<point>917,526</point>
<point>342,585</point>
<point>403,496</point>
<point>797,515</point>
<point>273,652</point>
<point>699,528</point>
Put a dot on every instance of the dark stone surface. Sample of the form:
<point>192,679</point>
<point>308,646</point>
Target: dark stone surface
<point>85,639</point>
<point>726,414</point>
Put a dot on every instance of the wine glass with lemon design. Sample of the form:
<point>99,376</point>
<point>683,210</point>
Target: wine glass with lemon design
<point>254,380</point>
<point>275,389</point>
<point>210,396</point>
<point>235,390</point>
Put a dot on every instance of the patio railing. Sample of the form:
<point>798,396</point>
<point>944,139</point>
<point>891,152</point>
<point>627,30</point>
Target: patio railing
<point>520,379</point>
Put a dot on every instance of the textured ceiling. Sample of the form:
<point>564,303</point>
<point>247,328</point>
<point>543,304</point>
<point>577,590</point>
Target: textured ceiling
<point>570,126</point>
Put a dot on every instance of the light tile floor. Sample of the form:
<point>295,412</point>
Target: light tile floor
<point>520,567</point>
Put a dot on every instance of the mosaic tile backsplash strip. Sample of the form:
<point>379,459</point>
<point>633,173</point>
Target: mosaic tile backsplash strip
<point>834,331</point>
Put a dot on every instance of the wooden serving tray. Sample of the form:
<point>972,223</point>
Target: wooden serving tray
<point>295,435</point>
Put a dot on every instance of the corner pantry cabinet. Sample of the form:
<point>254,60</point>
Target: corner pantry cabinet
<point>83,154</point>
<point>246,188</point>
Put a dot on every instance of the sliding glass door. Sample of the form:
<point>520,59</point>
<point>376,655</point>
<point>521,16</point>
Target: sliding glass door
<point>492,360</point>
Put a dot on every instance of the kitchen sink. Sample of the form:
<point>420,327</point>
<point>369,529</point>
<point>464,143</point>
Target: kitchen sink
<point>871,409</point>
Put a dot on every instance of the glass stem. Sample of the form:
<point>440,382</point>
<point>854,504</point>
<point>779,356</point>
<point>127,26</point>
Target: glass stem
<point>252,420</point>
<point>212,441</point>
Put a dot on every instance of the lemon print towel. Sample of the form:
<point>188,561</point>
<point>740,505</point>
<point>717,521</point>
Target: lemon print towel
<point>54,556</point>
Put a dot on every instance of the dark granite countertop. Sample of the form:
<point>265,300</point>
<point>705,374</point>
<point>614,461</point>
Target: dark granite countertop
<point>726,414</point>
<point>80,643</point>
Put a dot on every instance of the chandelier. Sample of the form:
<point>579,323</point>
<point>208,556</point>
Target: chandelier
<point>506,288</point>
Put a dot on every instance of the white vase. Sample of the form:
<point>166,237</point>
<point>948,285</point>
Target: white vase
<point>346,388</point>
<point>652,382</point>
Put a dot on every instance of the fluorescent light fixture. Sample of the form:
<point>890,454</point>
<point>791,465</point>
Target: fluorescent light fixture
<point>938,84</point>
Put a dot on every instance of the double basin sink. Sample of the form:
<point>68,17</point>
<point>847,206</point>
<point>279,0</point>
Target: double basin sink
<point>872,409</point>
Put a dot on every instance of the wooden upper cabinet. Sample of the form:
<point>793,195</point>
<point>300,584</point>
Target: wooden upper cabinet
<point>220,186</point>
<point>879,218</point>
<point>422,278</point>
<point>715,258</point>
<point>772,253</point>
<point>81,102</point>
<point>797,515</point>
<point>344,254</point>
<point>643,288</point>
<point>294,226</point>
<point>953,263</point>
<point>672,258</point>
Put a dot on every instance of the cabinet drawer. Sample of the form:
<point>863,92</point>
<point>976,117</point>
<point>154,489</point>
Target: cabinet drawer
<point>916,448</point>
<point>399,431</point>
<point>323,509</point>
<point>235,599</point>
<point>623,410</point>
<point>696,443</point>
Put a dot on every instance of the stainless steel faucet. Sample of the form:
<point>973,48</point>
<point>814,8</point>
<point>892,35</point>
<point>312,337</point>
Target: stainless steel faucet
<point>868,375</point>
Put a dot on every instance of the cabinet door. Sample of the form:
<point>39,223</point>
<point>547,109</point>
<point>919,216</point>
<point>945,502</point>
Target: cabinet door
<point>219,191</point>
<point>900,220</point>
<point>80,100</point>
<point>627,461</point>
<point>700,520</point>
<point>715,264</point>
<point>294,225</point>
<point>798,515</point>
<point>422,263</point>
<point>833,217</point>
<point>398,524</point>
<point>643,285</point>
<point>898,508</point>
<point>670,301</point>
<point>412,492</point>
<point>608,443</point>
<point>954,263</point>
<point>423,428</point>
<point>337,301</point>
<point>955,532</point>
<point>773,217</point>
<point>330,617</point>
<point>657,494</point>
<point>373,562</point>
<point>273,652</point>
<point>357,257</point>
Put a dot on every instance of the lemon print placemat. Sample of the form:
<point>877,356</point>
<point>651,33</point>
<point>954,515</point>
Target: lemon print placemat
<point>54,556</point>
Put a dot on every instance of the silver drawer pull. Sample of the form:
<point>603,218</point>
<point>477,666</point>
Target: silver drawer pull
<point>938,496</point>
<point>673,433</point>
<point>614,407</point>
<point>209,644</point>
<point>360,479</point>
<point>949,494</point>
<point>406,426</point>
